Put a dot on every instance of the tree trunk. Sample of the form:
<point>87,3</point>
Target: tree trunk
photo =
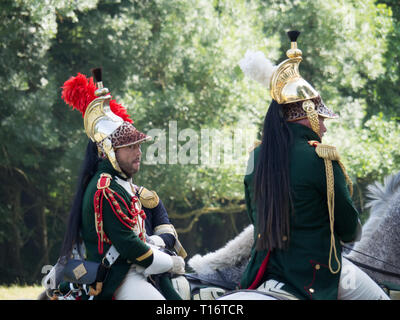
<point>14,243</point>
<point>40,240</point>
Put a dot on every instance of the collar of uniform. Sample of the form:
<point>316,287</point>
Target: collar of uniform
<point>128,185</point>
<point>301,131</point>
<point>106,166</point>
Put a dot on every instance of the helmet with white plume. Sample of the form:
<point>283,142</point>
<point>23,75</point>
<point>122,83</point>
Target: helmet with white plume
<point>286,85</point>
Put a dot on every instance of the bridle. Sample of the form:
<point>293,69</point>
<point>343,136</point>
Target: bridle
<point>366,266</point>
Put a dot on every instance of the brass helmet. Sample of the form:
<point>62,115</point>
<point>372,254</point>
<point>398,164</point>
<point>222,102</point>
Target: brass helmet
<point>287,86</point>
<point>105,121</point>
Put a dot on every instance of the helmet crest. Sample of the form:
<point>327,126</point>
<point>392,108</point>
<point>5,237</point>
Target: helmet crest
<point>79,92</point>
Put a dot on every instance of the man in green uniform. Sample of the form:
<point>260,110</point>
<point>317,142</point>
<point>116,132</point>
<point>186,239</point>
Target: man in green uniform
<point>109,210</point>
<point>299,195</point>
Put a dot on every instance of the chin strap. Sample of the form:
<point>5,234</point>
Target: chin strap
<point>312,116</point>
<point>329,154</point>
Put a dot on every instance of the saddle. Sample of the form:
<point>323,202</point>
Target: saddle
<point>196,287</point>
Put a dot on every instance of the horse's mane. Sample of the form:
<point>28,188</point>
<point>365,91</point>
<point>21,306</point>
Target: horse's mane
<point>381,197</point>
<point>235,253</point>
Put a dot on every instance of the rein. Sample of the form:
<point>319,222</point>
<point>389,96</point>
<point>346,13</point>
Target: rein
<point>363,265</point>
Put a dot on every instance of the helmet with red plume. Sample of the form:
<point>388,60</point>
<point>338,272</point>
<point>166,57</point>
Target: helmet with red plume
<point>106,122</point>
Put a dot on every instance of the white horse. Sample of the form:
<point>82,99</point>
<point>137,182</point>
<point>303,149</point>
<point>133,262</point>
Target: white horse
<point>377,253</point>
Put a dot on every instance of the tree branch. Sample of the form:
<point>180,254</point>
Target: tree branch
<point>196,214</point>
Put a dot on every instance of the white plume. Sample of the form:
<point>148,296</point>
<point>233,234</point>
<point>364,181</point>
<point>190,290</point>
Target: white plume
<point>257,67</point>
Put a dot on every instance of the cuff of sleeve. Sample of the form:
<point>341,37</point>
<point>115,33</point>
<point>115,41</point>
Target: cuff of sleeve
<point>168,239</point>
<point>145,259</point>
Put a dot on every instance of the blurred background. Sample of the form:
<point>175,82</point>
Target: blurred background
<point>177,60</point>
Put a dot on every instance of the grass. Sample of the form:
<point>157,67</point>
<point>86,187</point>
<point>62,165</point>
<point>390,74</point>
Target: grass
<point>18,292</point>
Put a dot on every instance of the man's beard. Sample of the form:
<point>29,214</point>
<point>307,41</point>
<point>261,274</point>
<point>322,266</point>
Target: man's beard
<point>130,170</point>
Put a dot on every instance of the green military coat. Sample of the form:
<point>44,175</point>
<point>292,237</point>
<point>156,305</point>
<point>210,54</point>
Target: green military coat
<point>128,244</point>
<point>303,267</point>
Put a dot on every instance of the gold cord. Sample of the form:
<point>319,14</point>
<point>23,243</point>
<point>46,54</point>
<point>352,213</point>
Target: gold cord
<point>330,182</point>
<point>348,180</point>
<point>329,153</point>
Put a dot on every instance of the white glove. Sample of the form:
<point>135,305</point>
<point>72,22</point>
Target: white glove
<point>178,266</point>
<point>162,262</point>
<point>156,240</point>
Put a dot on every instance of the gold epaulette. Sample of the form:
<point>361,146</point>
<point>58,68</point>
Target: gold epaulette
<point>149,199</point>
<point>255,145</point>
<point>325,151</point>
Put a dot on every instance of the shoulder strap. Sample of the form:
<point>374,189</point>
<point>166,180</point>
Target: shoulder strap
<point>104,181</point>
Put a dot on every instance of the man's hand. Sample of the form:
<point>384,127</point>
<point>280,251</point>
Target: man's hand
<point>178,265</point>
<point>156,241</point>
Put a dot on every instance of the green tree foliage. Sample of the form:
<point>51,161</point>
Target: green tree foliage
<point>34,170</point>
<point>173,64</point>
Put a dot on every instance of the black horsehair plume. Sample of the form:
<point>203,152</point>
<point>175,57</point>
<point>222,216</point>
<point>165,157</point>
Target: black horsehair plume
<point>293,35</point>
<point>97,74</point>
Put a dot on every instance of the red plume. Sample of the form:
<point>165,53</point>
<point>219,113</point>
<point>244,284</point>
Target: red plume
<point>120,111</point>
<point>78,92</point>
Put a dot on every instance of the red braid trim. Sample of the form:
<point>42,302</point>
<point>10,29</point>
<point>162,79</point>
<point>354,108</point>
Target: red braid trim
<point>104,191</point>
<point>123,218</point>
<point>98,209</point>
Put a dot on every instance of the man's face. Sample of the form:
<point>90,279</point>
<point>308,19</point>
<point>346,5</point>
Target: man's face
<point>129,159</point>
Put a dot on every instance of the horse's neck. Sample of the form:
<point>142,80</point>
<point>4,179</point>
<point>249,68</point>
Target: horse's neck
<point>383,220</point>
<point>381,243</point>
